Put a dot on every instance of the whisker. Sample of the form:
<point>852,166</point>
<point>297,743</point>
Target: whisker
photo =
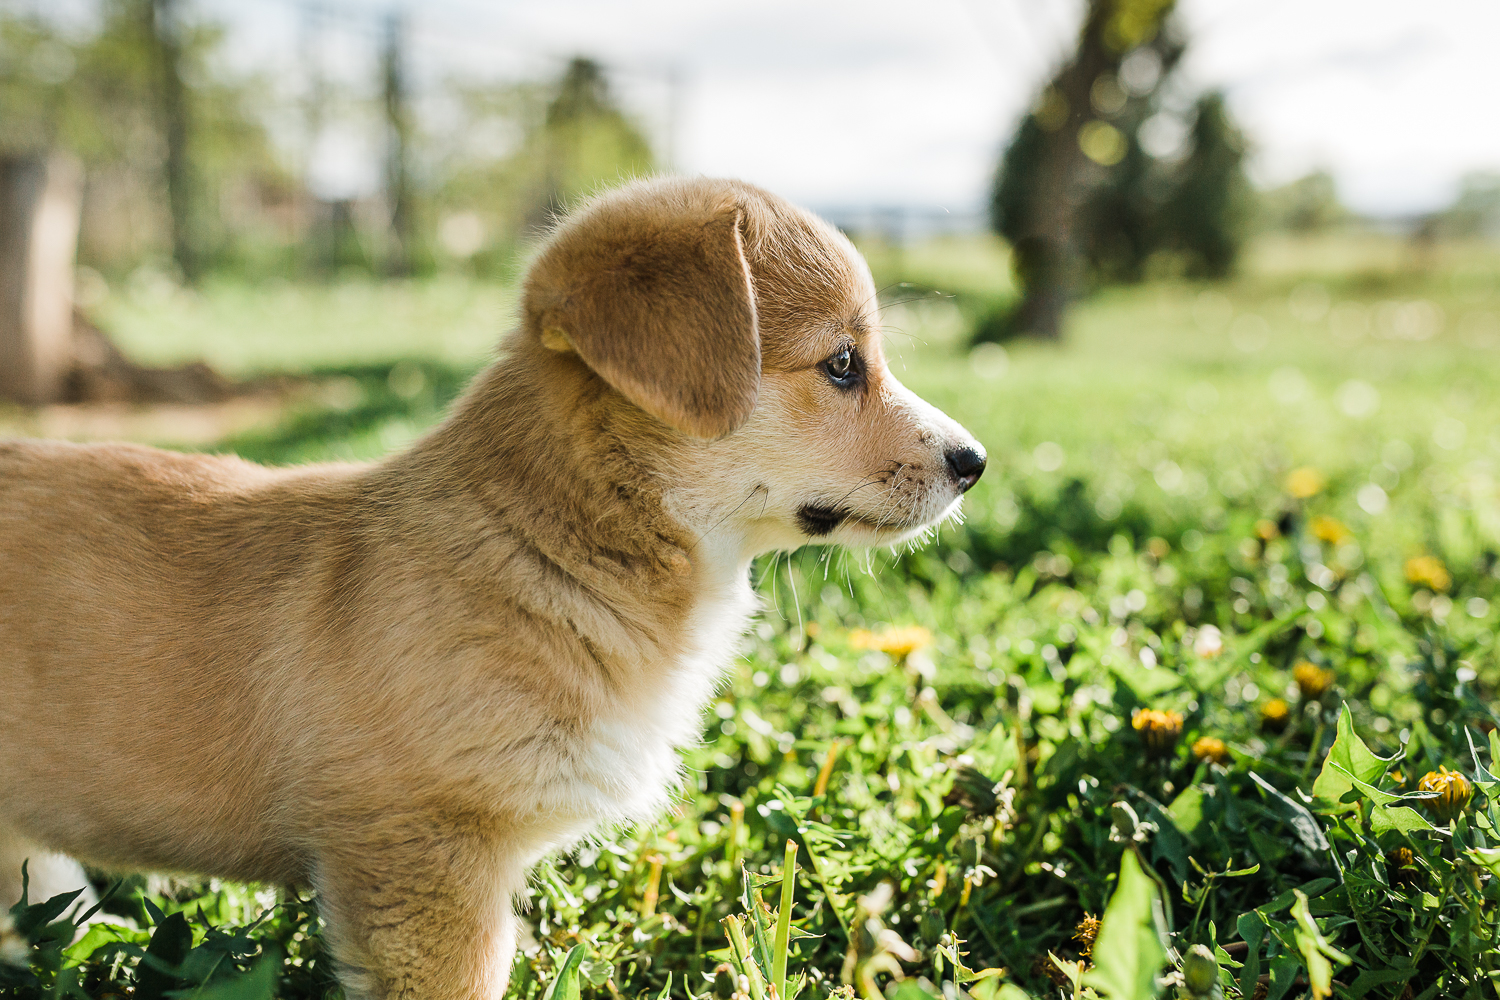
<point>713,527</point>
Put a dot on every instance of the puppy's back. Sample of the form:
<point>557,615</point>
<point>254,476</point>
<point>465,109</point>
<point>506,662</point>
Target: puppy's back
<point>119,642</point>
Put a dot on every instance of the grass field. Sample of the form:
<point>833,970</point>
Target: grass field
<point>1222,612</point>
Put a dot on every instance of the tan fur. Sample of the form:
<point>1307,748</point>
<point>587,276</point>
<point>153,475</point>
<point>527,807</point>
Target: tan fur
<point>403,683</point>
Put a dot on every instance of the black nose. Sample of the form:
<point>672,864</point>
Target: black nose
<point>967,465</point>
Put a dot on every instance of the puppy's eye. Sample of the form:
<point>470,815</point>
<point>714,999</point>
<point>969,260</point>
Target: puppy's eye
<point>843,368</point>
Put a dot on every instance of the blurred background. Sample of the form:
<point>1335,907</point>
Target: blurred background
<point>294,227</point>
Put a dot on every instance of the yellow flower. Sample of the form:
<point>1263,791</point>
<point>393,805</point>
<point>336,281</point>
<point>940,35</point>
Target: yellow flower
<point>1210,749</point>
<point>1305,482</point>
<point>1312,680</point>
<point>1454,792</point>
<point>1275,714</point>
<point>1159,730</point>
<point>897,642</point>
<point>1429,571</point>
<point>1086,932</point>
<point>1401,869</point>
<point>1265,529</point>
<point>1329,529</point>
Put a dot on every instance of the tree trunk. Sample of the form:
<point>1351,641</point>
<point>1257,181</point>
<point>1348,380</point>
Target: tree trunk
<point>400,261</point>
<point>40,200</point>
<point>173,111</point>
<point>1066,173</point>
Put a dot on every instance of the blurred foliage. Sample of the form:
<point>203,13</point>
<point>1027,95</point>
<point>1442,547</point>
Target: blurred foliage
<point>1476,211</point>
<point>568,139</point>
<point>1305,205</point>
<point>517,153</point>
<point>99,96</point>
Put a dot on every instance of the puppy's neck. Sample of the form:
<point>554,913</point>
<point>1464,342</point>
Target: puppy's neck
<point>565,484</point>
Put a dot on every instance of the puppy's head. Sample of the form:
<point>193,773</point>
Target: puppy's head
<point>748,330</point>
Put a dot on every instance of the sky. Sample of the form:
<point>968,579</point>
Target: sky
<point>860,103</point>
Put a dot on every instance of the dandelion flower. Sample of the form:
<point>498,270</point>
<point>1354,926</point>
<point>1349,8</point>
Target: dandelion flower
<point>1086,932</point>
<point>1329,529</point>
<point>1159,730</point>
<point>893,641</point>
<point>1453,793</point>
<point>1305,482</point>
<point>1211,749</point>
<point>1312,680</point>
<point>1275,714</point>
<point>1430,572</point>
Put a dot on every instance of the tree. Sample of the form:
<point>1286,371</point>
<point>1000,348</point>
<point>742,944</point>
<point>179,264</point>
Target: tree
<point>1084,201</point>
<point>585,139</point>
<point>39,201</point>
<point>160,135</point>
<point>529,150</point>
<point>1061,153</point>
<point>1205,215</point>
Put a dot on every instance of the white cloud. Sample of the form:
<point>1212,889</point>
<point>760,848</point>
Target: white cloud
<point>840,102</point>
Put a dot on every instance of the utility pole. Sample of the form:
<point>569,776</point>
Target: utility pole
<point>163,23</point>
<point>394,85</point>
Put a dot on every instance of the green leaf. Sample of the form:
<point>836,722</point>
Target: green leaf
<point>1127,953</point>
<point>1283,976</point>
<point>1403,818</point>
<point>1315,949</point>
<point>1487,858</point>
<point>169,946</point>
<point>1349,763</point>
<point>1253,929</point>
<point>1147,685</point>
<point>566,985</point>
<point>1186,810</point>
<point>1481,773</point>
<point>257,984</point>
<point>1168,842</point>
<point>1368,979</point>
<point>38,915</point>
<point>1296,815</point>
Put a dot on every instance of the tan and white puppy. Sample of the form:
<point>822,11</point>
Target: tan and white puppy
<point>404,683</point>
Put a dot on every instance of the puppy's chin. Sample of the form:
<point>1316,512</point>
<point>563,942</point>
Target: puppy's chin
<point>832,526</point>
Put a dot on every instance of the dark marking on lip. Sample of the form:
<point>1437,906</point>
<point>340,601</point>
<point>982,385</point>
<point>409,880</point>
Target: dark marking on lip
<point>817,521</point>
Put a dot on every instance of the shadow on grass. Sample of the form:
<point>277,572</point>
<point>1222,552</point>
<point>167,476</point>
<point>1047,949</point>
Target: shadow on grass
<point>343,407</point>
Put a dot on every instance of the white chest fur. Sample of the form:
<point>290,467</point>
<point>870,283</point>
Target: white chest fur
<point>625,767</point>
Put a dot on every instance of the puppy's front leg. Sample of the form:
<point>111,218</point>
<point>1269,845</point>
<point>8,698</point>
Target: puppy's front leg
<point>427,916</point>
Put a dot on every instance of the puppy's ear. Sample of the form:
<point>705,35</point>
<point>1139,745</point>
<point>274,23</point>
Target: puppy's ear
<point>660,307</point>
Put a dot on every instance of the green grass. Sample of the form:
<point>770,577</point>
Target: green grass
<point>1313,482</point>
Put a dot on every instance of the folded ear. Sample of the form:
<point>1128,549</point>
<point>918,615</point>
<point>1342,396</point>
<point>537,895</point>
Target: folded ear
<point>657,300</point>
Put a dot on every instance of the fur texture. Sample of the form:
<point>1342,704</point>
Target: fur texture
<point>404,683</point>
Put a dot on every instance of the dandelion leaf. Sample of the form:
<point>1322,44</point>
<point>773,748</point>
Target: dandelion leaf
<point>1296,815</point>
<point>1350,765</point>
<point>1128,954</point>
<point>566,986</point>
